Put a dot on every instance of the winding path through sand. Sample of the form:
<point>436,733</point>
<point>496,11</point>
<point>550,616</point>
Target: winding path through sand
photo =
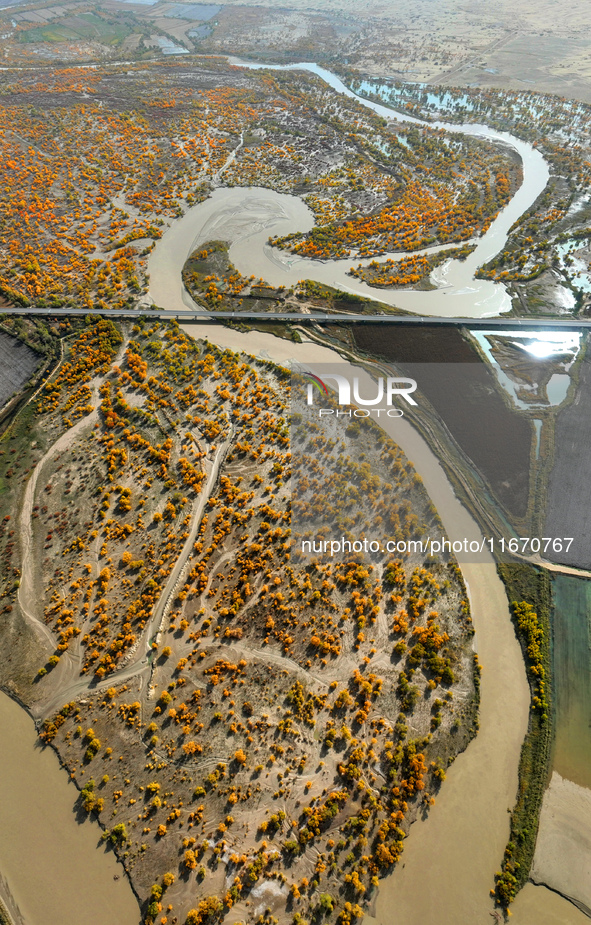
<point>138,659</point>
<point>27,595</point>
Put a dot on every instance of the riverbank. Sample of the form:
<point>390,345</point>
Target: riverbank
<point>231,215</point>
<point>473,834</point>
<point>529,591</point>
<point>455,278</point>
<point>5,917</point>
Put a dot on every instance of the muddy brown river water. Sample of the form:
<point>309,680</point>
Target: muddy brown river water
<point>53,865</point>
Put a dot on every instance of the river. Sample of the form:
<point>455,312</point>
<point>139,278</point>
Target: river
<point>449,863</point>
<point>248,216</point>
<point>55,871</point>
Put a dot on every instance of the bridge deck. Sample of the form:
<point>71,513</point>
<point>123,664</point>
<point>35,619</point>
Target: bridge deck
<point>198,317</point>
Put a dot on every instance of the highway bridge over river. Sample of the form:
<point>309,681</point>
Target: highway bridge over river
<point>301,318</point>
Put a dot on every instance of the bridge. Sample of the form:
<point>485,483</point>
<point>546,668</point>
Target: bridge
<point>201,317</point>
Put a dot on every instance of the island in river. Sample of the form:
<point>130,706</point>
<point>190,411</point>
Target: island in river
<point>225,711</point>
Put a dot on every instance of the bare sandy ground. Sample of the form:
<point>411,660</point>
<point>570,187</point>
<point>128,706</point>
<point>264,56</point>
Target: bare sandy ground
<point>542,46</point>
<point>28,592</point>
<point>563,851</point>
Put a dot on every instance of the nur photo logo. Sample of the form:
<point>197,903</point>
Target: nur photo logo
<point>348,393</point>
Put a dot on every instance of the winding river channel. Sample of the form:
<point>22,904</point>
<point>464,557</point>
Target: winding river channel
<point>450,860</point>
<point>248,216</point>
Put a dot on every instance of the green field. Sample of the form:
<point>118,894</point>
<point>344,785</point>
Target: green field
<point>86,27</point>
<point>572,677</point>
